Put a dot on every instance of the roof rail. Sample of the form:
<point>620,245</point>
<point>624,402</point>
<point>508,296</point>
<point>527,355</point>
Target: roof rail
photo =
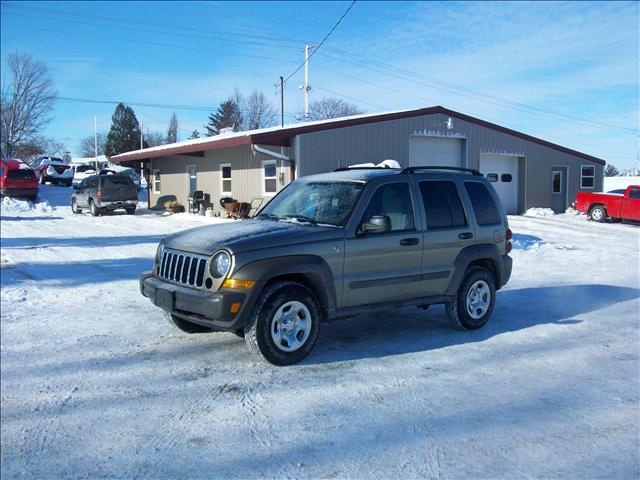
<point>346,169</point>
<point>473,172</point>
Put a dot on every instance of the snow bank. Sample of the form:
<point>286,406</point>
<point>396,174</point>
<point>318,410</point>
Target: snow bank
<point>539,212</point>
<point>12,206</point>
<point>616,183</point>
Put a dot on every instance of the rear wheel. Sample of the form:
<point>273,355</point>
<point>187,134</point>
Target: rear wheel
<point>93,208</point>
<point>284,325</point>
<point>185,325</point>
<point>474,303</point>
<point>598,213</point>
<point>74,206</point>
<point>130,211</point>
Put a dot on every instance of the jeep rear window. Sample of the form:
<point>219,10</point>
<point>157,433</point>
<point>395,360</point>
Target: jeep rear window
<point>319,202</point>
<point>442,205</point>
<point>483,205</point>
<point>21,173</point>
<point>116,181</point>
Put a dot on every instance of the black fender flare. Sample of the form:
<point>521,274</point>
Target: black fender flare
<point>483,251</point>
<point>312,269</point>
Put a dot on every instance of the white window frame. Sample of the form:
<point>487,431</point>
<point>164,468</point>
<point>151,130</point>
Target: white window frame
<point>222,179</point>
<point>553,176</point>
<point>583,176</point>
<point>265,178</point>
<point>189,193</point>
<point>155,173</point>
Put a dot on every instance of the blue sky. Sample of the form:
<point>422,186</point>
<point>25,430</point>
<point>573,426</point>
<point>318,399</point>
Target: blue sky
<point>566,72</point>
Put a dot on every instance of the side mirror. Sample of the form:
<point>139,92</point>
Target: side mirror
<point>377,224</point>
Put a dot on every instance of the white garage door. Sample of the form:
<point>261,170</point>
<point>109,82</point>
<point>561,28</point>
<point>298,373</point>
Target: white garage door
<point>435,151</point>
<point>502,172</point>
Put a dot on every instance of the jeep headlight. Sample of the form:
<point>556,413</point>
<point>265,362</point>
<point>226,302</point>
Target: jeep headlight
<point>159,252</point>
<point>220,264</point>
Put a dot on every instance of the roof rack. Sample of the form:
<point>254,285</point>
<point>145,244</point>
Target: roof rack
<point>473,172</point>
<point>345,169</point>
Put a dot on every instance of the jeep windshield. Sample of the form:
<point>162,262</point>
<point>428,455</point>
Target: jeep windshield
<point>317,203</point>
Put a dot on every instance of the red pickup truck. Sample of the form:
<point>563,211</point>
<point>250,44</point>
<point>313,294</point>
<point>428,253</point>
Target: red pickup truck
<point>617,206</point>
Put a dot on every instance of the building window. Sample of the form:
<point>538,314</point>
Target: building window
<point>556,182</point>
<point>587,176</point>
<point>492,177</point>
<point>192,179</point>
<point>225,175</point>
<point>270,177</point>
<point>156,181</point>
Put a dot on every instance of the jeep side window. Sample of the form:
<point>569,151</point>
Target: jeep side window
<point>394,201</point>
<point>442,205</point>
<point>483,205</point>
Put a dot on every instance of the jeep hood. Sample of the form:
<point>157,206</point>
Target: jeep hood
<point>247,235</point>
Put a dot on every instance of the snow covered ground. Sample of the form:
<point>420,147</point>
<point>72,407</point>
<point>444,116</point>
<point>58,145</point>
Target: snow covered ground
<point>95,383</point>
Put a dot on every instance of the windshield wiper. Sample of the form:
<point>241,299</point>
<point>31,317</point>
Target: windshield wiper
<point>300,218</point>
<point>268,216</point>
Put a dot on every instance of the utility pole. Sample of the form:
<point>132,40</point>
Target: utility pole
<point>306,87</point>
<point>95,137</point>
<point>281,101</point>
<point>141,133</point>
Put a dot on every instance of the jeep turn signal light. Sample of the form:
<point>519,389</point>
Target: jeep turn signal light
<point>233,283</point>
<point>235,307</point>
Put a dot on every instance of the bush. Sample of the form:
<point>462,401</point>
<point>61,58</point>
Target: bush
<point>173,206</point>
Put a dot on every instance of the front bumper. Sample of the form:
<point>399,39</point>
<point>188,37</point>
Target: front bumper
<point>19,192</point>
<point>210,309</point>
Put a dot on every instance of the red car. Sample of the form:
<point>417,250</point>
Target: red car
<point>617,206</point>
<point>17,179</point>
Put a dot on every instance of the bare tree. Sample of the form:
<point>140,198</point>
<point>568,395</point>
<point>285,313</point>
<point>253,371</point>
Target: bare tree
<point>172,132</point>
<point>258,112</point>
<point>87,145</point>
<point>328,107</point>
<point>26,102</point>
<point>154,139</point>
<point>30,151</point>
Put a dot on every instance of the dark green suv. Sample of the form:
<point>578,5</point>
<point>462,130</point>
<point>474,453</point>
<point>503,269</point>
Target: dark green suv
<point>336,245</point>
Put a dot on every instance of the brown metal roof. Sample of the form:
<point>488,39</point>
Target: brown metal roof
<point>282,136</point>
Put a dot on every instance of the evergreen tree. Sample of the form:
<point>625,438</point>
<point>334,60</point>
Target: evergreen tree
<point>227,116</point>
<point>172,132</point>
<point>194,134</point>
<point>124,135</point>
<point>611,171</point>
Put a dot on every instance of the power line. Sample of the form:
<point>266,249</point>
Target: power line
<point>322,42</point>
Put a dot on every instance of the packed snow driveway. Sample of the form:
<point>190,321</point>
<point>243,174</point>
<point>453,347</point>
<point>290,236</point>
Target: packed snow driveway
<point>96,383</point>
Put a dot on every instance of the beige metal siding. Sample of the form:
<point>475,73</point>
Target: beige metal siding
<point>329,149</point>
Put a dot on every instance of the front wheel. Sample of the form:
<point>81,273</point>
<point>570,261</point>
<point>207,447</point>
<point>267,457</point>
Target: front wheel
<point>130,211</point>
<point>186,326</point>
<point>598,213</point>
<point>284,325</point>
<point>74,206</point>
<point>474,303</point>
<point>93,208</point>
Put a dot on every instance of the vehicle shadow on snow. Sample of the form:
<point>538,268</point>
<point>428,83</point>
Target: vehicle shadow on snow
<point>17,219</point>
<point>522,241</point>
<point>106,241</point>
<point>75,274</point>
<point>390,333</point>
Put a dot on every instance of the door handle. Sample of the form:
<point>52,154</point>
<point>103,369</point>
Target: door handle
<point>409,241</point>
<point>465,236</point>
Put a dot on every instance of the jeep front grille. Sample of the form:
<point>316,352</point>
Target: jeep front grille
<point>182,268</point>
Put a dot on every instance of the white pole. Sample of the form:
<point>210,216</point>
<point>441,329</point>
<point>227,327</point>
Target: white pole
<point>306,82</point>
<point>95,137</point>
<point>141,133</point>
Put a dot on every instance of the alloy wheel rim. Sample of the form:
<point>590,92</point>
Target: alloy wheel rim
<point>291,326</point>
<point>478,299</point>
<point>597,214</point>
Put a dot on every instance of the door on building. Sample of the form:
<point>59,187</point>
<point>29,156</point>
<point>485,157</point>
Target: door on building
<point>441,151</point>
<point>559,189</point>
<point>502,173</point>
<point>192,179</point>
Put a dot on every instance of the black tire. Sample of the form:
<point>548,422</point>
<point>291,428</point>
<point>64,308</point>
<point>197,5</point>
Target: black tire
<point>68,183</point>
<point>460,316</point>
<point>186,326</point>
<point>130,211</point>
<point>598,214</point>
<point>257,328</point>
<point>239,332</point>
<point>95,211</point>
<point>74,206</point>
<point>33,198</point>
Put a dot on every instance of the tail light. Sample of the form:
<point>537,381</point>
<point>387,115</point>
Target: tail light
<point>507,241</point>
<point>99,196</point>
